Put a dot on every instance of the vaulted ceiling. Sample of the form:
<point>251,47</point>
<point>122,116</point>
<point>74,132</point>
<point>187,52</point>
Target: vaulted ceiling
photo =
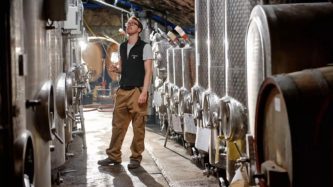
<point>177,12</point>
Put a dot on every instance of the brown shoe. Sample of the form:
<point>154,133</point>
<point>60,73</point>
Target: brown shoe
<point>107,161</point>
<point>133,164</point>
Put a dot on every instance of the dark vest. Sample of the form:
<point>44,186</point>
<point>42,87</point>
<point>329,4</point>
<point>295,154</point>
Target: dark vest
<point>132,68</point>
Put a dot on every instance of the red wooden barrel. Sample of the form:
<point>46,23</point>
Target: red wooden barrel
<point>294,125</point>
<point>92,56</point>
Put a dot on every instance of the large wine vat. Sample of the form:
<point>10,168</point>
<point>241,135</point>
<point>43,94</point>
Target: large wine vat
<point>286,38</point>
<point>294,126</point>
<point>201,42</point>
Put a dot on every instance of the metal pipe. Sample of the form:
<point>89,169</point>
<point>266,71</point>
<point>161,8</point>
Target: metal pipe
<point>109,5</point>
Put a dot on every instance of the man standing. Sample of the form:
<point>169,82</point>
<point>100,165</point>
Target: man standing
<point>135,67</point>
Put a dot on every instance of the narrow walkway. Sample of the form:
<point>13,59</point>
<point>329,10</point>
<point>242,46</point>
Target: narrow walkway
<point>161,167</point>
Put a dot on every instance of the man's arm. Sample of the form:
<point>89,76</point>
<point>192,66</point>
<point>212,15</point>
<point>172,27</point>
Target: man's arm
<point>147,81</point>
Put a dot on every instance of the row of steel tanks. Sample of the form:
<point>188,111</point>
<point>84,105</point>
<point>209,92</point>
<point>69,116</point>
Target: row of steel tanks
<point>207,93</point>
<point>175,70</point>
<point>46,82</point>
<point>191,92</point>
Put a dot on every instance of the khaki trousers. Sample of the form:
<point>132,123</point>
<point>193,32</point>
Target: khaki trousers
<point>126,110</point>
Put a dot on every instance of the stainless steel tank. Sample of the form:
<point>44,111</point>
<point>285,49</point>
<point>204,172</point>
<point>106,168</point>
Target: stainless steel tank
<point>55,58</point>
<point>201,37</point>
<point>216,50</point>
<point>170,88</point>
<point>174,94</point>
<point>185,100</point>
<point>15,141</point>
<point>160,61</point>
<point>170,78</point>
<point>38,87</point>
<point>286,38</point>
<point>216,60</point>
<point>169,84</point>
<point>160,71</point>
<point>178,78</point>
<point>188,73</point>
<point>70,82</point>
<point>161,53</point>
<point>216,79</point>
<point>188,61</point>
<point>237,17</point>
<point>201,84</point>
<point>177,67</point>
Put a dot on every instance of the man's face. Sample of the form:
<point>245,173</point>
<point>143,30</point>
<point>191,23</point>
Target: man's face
<point>132,27</point>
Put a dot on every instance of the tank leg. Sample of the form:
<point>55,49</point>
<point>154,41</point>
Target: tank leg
<point>79,118</point>
<point>83,135</point>
<point>167,135</point>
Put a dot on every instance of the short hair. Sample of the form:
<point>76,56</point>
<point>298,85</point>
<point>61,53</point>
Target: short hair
<point>138,20</point>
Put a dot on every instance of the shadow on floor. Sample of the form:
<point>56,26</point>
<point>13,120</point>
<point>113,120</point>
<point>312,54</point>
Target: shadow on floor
<point>121,178</point>
<point>145,177</point>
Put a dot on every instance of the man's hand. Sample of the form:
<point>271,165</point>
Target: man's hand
<point>143,98</point>
<point>113,68</point>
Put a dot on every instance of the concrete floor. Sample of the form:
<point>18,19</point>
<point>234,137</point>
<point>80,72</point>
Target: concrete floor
<point>161,166</point>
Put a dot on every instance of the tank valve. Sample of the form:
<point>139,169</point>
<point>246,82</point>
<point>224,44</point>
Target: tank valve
<point>52,148</point>
<point>209,170</point>
<point>272,175</point>
<point>54,132</point>
<point>32,103</point>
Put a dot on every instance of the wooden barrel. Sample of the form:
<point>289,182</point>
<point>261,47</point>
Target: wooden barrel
<point>294,125</point>
<point>286,38</point>
<point>92,56</point>
<point>113,47</point>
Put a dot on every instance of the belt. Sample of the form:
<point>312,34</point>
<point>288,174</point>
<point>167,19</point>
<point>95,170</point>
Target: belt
<point>128,87</point>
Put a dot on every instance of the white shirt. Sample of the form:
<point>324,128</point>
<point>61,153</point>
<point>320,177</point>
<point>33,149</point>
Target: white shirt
<point>147,51</point>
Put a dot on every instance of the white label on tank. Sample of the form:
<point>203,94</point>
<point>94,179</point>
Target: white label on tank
<point>277,104</point>
<point>189,125</point>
